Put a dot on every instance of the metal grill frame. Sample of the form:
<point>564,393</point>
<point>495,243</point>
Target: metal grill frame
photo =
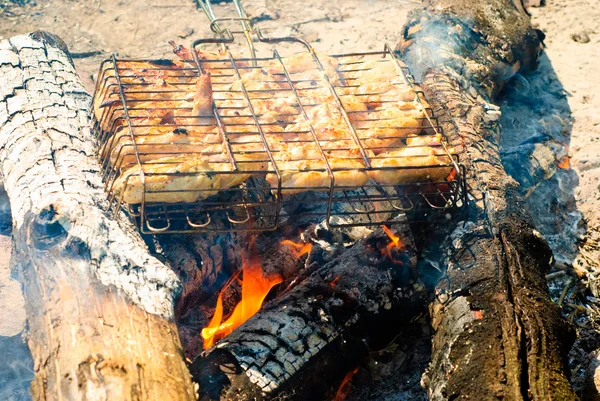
<point>451,193</point>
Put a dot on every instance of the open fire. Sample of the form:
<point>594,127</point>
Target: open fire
<point>344,390</point>
<point>395,245</point>
<point>255,287</point>
<point>359,288</point>
<point>297,249</point>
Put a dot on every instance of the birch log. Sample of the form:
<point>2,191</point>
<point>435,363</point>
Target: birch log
<point>99,307</point>
<point>497,334</point>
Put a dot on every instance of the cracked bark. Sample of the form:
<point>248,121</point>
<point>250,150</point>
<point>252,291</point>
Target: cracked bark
<point>302,343</point>
<point>99,307</point>
<point>497,334</point>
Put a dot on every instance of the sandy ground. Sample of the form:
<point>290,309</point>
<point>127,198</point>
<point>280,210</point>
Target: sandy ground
<point>12,307</point>
<point>559,103</point>
<point>577,67</point>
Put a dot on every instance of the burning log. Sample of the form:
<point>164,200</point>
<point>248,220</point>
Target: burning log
<point>303,341</point>
<point>99,306</point>
<point>492,317</point>
<point>204,262</point>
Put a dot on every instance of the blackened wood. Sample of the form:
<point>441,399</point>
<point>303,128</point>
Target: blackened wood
<point>497,334</point>
<point>205,262</point>
<point>99,306</point>
<point>308,338</point>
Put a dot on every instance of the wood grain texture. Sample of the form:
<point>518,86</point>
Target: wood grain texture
<point>99,306</point>
<point>497,334</point>
<point>302,343</point>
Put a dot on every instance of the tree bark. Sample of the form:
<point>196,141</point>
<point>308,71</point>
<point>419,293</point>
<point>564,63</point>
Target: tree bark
<point>497,334</point>
<point>99,307</point>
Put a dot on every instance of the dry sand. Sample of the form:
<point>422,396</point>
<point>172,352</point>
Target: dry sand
<point>577,66</point>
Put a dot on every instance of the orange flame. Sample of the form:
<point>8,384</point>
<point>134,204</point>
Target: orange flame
<point>395,243</point>
<point>564,163</point>
<point>297,249</point>
<point>255,287</point>
<point>342,392</point>
<point>452,176</point>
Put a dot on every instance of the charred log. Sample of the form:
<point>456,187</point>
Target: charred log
<point>307,338</point>
<point>99,306</point>
<point>492,317</point>
<point>205,262</point>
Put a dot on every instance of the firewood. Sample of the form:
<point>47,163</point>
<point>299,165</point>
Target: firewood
<point>497,334</point>
<point>297,346</point>
<point>99,306</point>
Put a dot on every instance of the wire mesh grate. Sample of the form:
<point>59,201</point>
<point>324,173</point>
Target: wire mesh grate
<point>348,137</point>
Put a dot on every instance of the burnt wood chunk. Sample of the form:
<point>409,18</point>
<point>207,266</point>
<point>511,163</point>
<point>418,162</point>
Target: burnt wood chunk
<point>307,339</point>
<point>497,334</point>
<point>99,306</point>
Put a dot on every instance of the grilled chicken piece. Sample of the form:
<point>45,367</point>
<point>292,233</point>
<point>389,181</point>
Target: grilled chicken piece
<point>433,165</point>
<point>185,178</point>
<point>387,128</point>
<point>155,144</point>
<point>424,140</point>
<point>143,78</point>
<point>152,107</point>
<point>239,107</point>
<point>159,142</point>
<point>303,67</point>
<point>203,98</point>
<point>304,169</point>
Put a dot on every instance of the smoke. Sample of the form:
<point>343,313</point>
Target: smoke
<point>536,127</point>
<point>440,40</point>
<point>16,366</point>
<point>16,369</point>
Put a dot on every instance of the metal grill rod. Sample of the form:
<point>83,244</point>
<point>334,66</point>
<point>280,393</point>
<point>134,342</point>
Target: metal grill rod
<point>388,50</point>
<point>128,119</point>
<point>242,18</point>
<point>312,132</point>
<point>359,204</point>
<point>261,133</point>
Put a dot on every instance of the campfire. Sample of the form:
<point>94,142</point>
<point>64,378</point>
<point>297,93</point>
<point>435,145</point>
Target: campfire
<point>255,287</point>
<point>211,142</point>
<point>299,213</point>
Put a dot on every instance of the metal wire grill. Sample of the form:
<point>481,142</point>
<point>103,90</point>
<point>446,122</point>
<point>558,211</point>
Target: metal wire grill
<point>266,152</point>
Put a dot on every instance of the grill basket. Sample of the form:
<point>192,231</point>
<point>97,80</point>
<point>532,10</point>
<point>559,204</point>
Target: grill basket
<point>136,101</point>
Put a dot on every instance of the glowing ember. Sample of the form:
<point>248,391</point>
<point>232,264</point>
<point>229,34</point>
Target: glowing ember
<point>255,287</point>
<point>564,163</point>
<point>342,392</point>
<point>395,243</point>
<point>297,249</point>
<point>452,176</point>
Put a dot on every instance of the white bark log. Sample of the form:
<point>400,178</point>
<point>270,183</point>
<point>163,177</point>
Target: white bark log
<point>99,306</point>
